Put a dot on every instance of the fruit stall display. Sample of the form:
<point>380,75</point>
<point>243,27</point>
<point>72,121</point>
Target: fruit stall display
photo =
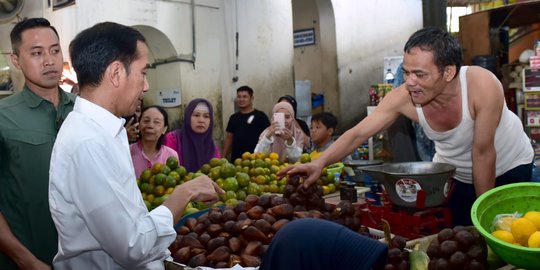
<point>229,235</point>
<point>225,236</point>
<point>254,173</point>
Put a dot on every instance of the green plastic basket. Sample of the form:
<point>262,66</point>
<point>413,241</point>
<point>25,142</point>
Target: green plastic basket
<point>519,197</point>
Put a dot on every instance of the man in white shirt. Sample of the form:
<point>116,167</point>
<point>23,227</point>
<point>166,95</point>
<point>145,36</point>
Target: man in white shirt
<point>96,206</point>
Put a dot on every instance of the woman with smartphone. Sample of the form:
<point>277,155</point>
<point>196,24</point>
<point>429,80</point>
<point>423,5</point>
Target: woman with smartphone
<point>283,136</point>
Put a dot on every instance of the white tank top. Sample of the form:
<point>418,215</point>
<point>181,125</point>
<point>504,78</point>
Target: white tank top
<point>454,146</point>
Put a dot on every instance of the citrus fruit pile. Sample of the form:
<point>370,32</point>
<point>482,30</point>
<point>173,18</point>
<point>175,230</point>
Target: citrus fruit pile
<point>253,173</point>
<point>158,182</point>
<point>522,231</point>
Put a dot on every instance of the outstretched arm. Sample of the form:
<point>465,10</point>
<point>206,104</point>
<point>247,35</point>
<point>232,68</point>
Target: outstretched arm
<point>395,103</point>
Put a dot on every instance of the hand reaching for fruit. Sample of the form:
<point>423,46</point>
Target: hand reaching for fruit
<point>201,189</point>
<point>312,170</point>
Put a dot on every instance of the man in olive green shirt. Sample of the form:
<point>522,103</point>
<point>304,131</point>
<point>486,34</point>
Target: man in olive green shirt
<point>29,122</point>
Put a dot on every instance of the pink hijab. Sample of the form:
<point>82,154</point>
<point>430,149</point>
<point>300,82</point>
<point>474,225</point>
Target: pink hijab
<point>279,144</point>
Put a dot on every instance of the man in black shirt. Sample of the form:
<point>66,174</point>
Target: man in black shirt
<point>244,126</point>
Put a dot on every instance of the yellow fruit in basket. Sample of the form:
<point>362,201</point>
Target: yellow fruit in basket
<point>534,217</point>
<point>534,240</point>
<point>504,236</point>
<point>522,228</point>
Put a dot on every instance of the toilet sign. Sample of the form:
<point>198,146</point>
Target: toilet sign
<point>168,98</point>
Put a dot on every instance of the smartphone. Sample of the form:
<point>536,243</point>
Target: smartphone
<point>279,119</point>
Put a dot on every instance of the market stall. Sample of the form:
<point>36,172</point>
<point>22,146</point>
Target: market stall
<point>236,232</point>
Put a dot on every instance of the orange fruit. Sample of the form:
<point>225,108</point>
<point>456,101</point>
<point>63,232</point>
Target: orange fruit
<point>156,168</point>
<point>273,156</point>
<point>534,217</point>
<point>522,228</point>
<point>534,240</point>
<point>504,236</point>
<point>145,176</point>
<point>260,179</point>
<point>246,155</point>
<point>159,191</point>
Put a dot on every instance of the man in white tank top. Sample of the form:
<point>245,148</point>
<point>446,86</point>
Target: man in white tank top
<point>462,109</point>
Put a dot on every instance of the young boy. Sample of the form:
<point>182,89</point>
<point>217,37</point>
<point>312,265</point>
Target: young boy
<point>323,126</point>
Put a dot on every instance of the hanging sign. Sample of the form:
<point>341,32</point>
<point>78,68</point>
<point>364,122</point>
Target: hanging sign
<point>168,98</point>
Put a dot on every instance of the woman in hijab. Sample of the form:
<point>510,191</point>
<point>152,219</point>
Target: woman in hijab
<point>287,141</point>
<point>193,141</point>
<point>294,104</point>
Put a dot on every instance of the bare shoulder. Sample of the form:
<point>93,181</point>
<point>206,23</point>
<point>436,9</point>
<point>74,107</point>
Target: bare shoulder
<point>485,92</point>
<point>399,100</point>
<point>481,80</point>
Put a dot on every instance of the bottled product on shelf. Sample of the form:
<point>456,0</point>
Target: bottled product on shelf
<point>389,77</point>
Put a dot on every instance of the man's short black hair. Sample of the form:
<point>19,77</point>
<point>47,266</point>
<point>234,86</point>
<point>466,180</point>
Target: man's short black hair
<point>445,48</point>
<point>25,24</point>
<point>326,118</point>
<point>245,88</point>
<point>95,48</point>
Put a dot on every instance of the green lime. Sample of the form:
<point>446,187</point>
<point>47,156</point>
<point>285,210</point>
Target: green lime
<point>231,202</point>
<point>253,188</point>
<point>243,179</point>
<point>205,168</point>
<point>228,170</point>
<point>190,211</point>
<point>214,162</point>
<point>172,162</point>
<point>181,172</point>
<point>230,184</point>
<point>215,173</point>
<point>241,195</point>
<point>165,169</point>
<point>159,179</point>
<point>169,182</point>
<point>145,176</point>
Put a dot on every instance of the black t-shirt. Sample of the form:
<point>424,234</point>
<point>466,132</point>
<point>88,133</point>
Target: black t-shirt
<point>246,128</point>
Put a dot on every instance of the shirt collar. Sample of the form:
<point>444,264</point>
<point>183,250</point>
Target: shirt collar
<point>33,100</point>
<point>108,121</point>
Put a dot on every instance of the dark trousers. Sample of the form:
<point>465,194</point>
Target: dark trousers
<point>319,244</point>
<point>463,196</point>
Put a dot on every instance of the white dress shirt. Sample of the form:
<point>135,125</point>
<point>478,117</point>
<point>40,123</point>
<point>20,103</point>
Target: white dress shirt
<point>95,203</point>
